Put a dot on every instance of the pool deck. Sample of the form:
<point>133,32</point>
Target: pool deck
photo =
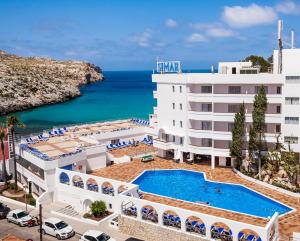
<point>288,223</point>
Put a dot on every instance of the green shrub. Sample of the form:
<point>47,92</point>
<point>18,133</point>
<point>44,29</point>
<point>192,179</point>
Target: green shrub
<point>87,215</point>
<point>98,208</point>
<point>278,184</point>
<point>29,196</point>
<point>32,202</point>
<point>11,186</point>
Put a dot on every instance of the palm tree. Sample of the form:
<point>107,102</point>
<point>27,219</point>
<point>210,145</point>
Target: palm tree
<point>2,138</point>
<point>12,123</point>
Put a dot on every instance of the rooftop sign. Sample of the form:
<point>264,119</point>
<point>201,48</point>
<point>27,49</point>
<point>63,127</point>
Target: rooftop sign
<point>169,67</point>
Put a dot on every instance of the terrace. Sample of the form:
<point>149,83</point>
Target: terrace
<point>127,172</point>
<point>73,139</point>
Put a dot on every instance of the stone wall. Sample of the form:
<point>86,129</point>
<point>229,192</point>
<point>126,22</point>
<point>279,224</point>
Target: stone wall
<point>152,232</point>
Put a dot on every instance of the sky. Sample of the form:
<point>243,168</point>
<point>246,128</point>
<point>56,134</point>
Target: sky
<point>131,34</point>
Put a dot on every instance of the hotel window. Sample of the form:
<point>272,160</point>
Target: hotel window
<point>180,89</point>
<point>258,87</point>
<point>292,120</point>
<point>173,122</point>
<point>115,141</point>
<point>174,139</point>
<point>230,126</point>
<point>292,77</point>
<point>278,89</point>
<point>206,125</point>
<point>173,88</point>
<point>180,123</point>
<point>278,109</point>
<point>278,128</point>
<point>173,104</point>
<point>181,140</point>
<point>248,71</point>
<point>206,89</point>
<point>292,100</point>
<point>206,107</point>
<point>291,139</point>
<point>206,142</point>
<point>180,106</point>
<point>233,108</point>
<point>166,136</point>
<point>234,89</point>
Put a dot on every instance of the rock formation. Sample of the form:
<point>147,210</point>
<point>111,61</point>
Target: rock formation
<point>30,82</point>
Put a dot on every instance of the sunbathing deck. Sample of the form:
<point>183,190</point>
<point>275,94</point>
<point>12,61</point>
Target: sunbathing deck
<point>288,224</point>
<point>73,139</point>
<point>59,145</point>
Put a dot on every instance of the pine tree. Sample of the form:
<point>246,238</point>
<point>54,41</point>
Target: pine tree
<point>238,137</point>
<point>259,125</point>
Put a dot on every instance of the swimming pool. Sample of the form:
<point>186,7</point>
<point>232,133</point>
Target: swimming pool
<point>193,187</point>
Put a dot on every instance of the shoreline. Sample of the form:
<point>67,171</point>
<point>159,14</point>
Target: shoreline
<point>28,108</point>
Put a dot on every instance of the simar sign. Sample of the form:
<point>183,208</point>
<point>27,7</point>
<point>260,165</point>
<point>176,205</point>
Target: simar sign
<point>169,67</point>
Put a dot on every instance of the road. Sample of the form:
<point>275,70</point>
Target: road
<point>79,227</point>
<point>25,232</point>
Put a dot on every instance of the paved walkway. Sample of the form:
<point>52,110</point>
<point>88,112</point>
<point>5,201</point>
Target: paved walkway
<point>288,224</point>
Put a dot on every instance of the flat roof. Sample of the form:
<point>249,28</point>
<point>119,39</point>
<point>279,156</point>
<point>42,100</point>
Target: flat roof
<point>77,137</point>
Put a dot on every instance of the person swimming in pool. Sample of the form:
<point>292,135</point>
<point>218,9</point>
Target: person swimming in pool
<point>217,190</point>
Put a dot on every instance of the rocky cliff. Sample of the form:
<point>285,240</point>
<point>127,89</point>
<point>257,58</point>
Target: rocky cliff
<point>30,82</point>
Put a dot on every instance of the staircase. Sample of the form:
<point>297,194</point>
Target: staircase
<point>69,211</point>
<point>65,210</point>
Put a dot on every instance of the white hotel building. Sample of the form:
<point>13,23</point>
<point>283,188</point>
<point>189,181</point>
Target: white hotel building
<point>195,111</point>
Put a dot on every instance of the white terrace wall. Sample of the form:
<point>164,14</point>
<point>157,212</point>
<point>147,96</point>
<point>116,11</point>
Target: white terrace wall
<point>208,220</point>
<point>136,133</point>
<point>96,157</point>
<point>81,197</point>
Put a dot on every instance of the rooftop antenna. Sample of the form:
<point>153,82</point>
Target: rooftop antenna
<point>292,39</point>
<point>280,47</point>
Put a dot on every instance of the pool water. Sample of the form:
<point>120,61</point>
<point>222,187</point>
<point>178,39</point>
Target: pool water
<point>191,186</point>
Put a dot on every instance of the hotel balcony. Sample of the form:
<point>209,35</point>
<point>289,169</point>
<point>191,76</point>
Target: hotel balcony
<point>155,94</point>
<point>163,144</point>
<point>201,142</point>
<point>233,94</point>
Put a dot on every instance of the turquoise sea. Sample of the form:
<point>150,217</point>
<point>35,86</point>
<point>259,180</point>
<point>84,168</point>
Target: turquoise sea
<point>123,94</point>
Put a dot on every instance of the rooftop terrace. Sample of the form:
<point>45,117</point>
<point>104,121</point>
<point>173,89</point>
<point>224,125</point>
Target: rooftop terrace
<point>75,138</point>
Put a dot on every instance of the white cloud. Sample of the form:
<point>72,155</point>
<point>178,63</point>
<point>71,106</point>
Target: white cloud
<point>171,23</point>
<point>214,30</point>
<point>142,39</point>
<point>220,32</point>
<point>240,17</point>
<point>196,38</point>
<point>288,7</point>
